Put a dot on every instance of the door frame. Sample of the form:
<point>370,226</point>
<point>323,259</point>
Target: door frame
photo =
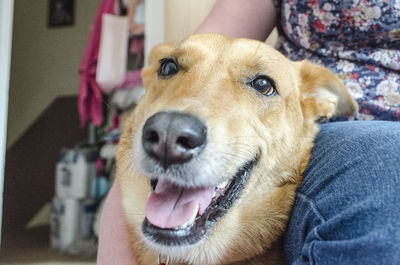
<point>153,26</point>
<point>6,23</point>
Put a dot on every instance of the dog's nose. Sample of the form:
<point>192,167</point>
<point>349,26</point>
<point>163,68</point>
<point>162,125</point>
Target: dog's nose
<point>173,137</point>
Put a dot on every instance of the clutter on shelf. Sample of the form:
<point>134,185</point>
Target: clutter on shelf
<point>110,87</point>
<point>83,177</point>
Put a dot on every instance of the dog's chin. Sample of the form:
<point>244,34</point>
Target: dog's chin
<point>179,239</point>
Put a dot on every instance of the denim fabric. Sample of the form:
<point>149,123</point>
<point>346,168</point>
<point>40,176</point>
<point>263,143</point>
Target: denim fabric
<point>347,209</point>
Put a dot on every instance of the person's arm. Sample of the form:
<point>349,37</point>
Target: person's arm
<point>114,242</point>
<point>252,19</point>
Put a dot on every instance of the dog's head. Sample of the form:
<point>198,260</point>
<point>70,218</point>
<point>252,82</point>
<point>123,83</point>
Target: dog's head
<point>210,158</point>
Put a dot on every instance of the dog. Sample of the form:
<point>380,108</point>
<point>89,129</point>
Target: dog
<point>210,159</point>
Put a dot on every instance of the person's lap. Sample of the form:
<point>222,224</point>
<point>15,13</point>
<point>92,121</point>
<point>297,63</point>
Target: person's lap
<point>347,209</point>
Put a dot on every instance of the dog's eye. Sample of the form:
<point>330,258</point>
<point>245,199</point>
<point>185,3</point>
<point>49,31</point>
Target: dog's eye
<point>168,67</point>
<point>264,85</point>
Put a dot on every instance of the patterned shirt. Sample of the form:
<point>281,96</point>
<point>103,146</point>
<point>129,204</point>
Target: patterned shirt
<point>358,40</point>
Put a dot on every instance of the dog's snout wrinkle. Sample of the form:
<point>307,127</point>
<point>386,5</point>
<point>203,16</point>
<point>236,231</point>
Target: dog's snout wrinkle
<point>173,137</point>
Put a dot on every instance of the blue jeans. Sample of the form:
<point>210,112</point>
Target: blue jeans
<point>347,209</point>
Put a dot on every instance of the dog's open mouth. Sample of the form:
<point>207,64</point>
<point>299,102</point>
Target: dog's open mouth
<point>178,216</point>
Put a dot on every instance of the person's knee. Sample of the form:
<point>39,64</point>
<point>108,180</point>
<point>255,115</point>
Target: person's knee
<point>360,134</point>
<point>348,201</point>
<point>355,155</point>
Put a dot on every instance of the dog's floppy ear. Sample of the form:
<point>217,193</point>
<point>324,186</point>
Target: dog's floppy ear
<point>323,95</point>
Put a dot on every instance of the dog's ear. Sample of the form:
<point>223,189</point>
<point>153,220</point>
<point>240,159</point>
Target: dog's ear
<point>323,95</point>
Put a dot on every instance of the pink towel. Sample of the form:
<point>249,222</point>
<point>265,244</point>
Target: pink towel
<point>132,79</point>
<point>90,97</point>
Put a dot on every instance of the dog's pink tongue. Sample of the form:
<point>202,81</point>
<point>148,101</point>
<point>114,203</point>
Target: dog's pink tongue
<point>171,206</point>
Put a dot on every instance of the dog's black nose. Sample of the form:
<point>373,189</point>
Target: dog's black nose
<point>173,137</point>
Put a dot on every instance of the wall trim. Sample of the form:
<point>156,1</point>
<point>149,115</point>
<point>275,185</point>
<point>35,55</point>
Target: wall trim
<point>6,22</point>
<point>154,25</point>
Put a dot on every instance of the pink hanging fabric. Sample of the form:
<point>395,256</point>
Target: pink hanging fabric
<point>90,97</point>
<point>132,79</point>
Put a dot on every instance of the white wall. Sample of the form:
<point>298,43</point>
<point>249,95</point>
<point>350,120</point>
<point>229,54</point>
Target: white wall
<point>172,20</point>
<point>183,17</point>
<point>45,61</point>
<point>154,26</point>
<point>6,16</point>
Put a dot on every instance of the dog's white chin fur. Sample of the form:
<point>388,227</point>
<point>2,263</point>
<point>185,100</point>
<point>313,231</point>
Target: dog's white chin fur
<point>185,253</point>
<point>176,252</point>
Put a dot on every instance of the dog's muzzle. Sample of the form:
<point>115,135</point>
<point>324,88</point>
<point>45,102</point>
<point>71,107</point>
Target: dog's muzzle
<point>178,214</point>
<point>173,137</point>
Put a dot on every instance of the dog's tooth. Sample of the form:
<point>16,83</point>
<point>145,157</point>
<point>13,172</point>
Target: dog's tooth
<point>183,226</point>
<point>191,220</point>
<point>215,194</point>
<point>222,185</point>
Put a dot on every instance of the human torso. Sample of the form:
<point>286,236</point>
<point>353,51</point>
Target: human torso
<point>359,40</point>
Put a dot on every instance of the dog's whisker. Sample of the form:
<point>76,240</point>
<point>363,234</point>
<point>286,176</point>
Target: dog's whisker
<point>241,146</point>
<point>245,137</point>
<point>241,156</point>
<point>244,151</point>
<point>185,25</point>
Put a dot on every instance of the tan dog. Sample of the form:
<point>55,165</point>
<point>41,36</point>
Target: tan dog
<point>210,159</point>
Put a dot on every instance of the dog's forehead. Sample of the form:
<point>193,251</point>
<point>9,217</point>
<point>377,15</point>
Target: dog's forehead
<point>221,58</point>
<point>206,42</point>
<point>233,53</point>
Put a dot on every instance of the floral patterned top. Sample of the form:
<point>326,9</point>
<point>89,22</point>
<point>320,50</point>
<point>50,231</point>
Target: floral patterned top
<point>359,40</point>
